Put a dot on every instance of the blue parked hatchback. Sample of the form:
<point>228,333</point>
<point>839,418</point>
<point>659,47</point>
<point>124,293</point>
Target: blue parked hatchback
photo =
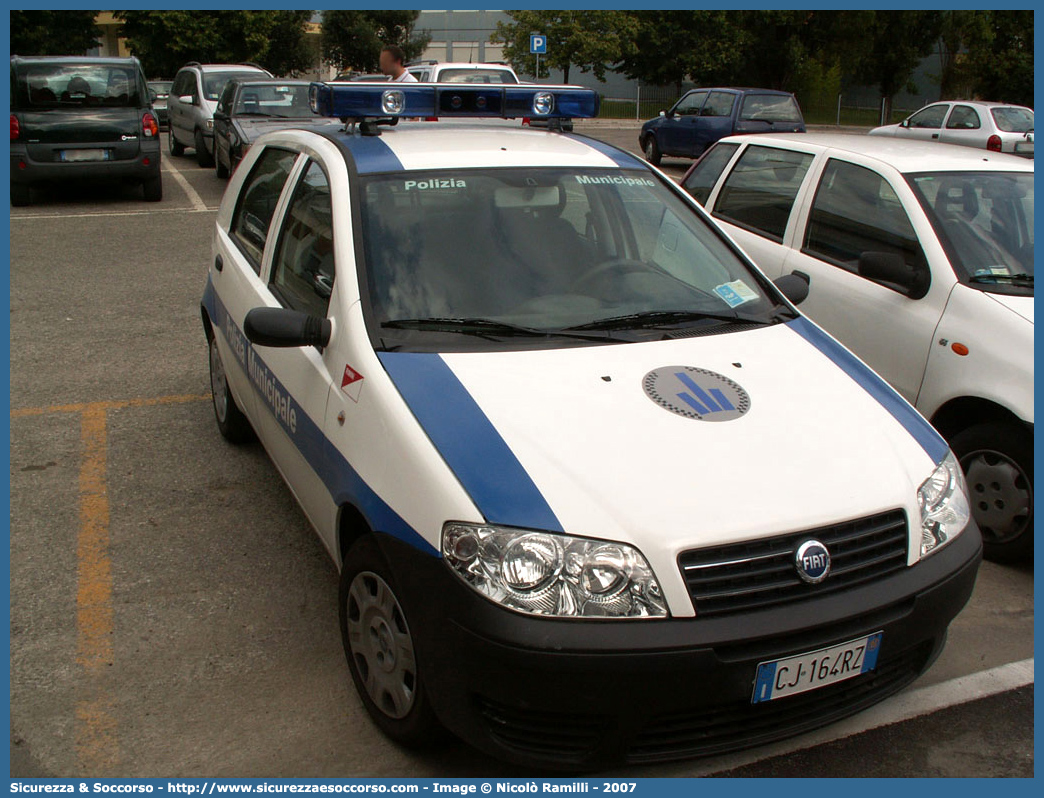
<point>703,116</point>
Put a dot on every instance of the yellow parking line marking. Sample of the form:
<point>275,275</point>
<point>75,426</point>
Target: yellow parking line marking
<point>96,733</point>
<point>96,739</point>
<point>83,407</point>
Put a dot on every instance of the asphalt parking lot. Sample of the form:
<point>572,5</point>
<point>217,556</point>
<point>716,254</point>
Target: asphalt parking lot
<point>172,613</point>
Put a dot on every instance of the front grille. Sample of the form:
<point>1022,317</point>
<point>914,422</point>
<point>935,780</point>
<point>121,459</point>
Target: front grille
<point>761,573</point>
<point>551,736</point>
<point>740,725</point>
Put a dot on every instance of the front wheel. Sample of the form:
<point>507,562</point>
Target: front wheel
<point>652,150</point>
<point>997,459</point>
<point>380,649</point>
<point>203,158</point>
<point>175,146</point>
<point>233,425</point>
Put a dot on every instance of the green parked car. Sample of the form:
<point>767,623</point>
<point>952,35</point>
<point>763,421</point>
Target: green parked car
<point>86,119</point>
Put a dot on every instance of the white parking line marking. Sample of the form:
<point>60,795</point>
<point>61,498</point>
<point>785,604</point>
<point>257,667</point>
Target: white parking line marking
<point>907,705</point>
<point>197,201</point>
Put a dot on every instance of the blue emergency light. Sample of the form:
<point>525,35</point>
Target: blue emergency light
<point>360,101</point>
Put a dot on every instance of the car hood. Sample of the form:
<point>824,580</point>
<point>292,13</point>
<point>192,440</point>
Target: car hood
<point>1019,305</point>
<point>885,130</point>
<point>252,127</point>
<point>571,440</point>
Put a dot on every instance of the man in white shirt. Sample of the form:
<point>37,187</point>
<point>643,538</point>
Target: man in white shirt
<point>392,57</point>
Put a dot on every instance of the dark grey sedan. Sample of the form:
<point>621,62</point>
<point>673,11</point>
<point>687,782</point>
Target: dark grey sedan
<point>248,107</point>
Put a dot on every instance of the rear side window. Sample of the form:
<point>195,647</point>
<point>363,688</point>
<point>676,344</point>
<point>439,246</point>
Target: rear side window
<point>303,270</point>
<point>719,103</point>
<point>759,192</point>
<point>1013,120</point>
<point>770,108</point>
<point>963,117</point>
<point>64,85</point>
<point>257,203</point>
<point>856,212</point>
<point>706,173</point>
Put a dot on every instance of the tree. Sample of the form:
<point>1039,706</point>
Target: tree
<point>165,40</point>
<point>592,40</point>
<point>353,39</point>
<point>958,29</point>
<point>899,40</point>
<point>1000,57</point>
<point>53,32</point>
<point>673,46</point>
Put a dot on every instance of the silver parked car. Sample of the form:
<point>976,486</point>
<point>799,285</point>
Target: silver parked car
<point>191,104</point>
<point>990,126</point>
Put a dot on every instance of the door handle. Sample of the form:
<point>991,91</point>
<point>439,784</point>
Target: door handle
<point>219,263</point>
<point>935,135</point>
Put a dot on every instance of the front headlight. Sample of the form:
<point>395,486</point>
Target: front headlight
<point>551,574</point>
<point>943,499</point>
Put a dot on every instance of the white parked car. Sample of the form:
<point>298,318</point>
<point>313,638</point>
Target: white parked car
<point>997,127</point>
<point>453,72</point>
<point>920,259</point>
<point>597,490</point>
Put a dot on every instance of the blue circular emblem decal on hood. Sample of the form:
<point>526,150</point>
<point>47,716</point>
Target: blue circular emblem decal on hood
<point>812,560</point>
<point>696,393</point>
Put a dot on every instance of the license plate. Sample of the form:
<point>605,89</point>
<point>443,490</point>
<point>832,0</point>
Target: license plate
<point>70,156</point>
<point>1024,146</point>
<point>805,672</point>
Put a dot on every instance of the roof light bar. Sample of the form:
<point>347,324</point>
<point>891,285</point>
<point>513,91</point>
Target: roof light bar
<point>358,100</point>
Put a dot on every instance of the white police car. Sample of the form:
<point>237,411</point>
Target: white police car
<point>598,492</point>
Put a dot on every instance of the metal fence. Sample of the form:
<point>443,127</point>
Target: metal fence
<point>646,102</point>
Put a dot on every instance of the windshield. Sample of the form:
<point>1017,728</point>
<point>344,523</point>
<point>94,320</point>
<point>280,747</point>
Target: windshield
<point>214,82</point>
<point>67,85</point>
<point>279,100</point>
<point>1013,120</point>
<point>476,76</point>
<point>161,87</point>
<point>547,249</point>
<point>985,221</point>
<point>770,108</point>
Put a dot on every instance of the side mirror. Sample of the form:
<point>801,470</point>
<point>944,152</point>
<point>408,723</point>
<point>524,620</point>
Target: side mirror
<point>892,269</point>
<point>663,113</point>
<point>283,327</point>
<point>793,286</point>
<point>905,123</point>
<point>187,99</point>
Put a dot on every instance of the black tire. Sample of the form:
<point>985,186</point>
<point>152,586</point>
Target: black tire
<point>203,158</point>
<point>20,195</point>
<point>219,168</point>
<point>372,619</point>
<point>651,150</point>
<point>153,189</point>
<point>997,459</point>
<point>176,147</point>
<point>233,425</point>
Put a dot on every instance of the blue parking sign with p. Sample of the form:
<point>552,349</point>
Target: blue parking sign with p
<point>537,44</point>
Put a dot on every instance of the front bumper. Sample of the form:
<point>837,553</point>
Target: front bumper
<point>583,694</point>
<point>145,166</point>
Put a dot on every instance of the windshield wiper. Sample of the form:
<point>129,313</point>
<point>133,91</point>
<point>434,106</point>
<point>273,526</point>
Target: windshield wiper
<point>1018,279</point>
<point>486,327</point>
<point>660,318</point>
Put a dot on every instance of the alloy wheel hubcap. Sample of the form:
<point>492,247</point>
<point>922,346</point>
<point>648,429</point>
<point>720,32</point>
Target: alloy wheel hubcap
<point>381,645</point>
<point>1000,495</point>
<point>217,383</point>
